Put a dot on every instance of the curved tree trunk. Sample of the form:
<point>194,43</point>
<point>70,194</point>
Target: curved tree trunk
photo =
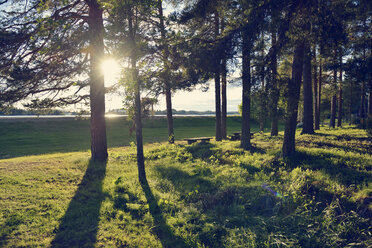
<point>246,96</point>
<point>292,101</point>
<point>308,127</point>
<point>97,87</point>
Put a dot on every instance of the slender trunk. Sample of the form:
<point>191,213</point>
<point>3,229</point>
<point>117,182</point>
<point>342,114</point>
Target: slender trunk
<point>370,101</point>
<point>246,94</point>
<point>363,104</point>
<point>308,127</point>
<point>351,104</point>
<point>332,121</point>
<point>168,99</point>
<point>370,86</point>
<point>138,117</point>
<point>340,100</point>
<point>263,97</point>
<point>274,88</point>
<point>97,87</point>
<point>217,83</point>
<point>223,88</point>
<point>315,87</point>
<point>168,92</point>
<point>294,87</point>
<point>319,96</point>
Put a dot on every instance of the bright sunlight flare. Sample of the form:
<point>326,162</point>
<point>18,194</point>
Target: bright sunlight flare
<point>111,70</point>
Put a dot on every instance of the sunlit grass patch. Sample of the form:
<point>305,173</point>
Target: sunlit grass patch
<point>199,195</point>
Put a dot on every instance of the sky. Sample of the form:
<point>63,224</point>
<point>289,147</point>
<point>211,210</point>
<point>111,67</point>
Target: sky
<point>194,100</point>
<point>181,100</point>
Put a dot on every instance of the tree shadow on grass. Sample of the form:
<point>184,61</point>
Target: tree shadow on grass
<point>184,182</point>
<point>333,165</point>
<point>162,229</point>
<point>9,226</point>
<point>202,151</point>
<point>79,225</point>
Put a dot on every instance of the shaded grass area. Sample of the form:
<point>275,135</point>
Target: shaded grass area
<point>41,137</point>
<point>199,195</point>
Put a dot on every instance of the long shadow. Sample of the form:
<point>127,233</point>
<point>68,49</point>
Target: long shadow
<point>8,227</point>
<point>184,182</point>
<point>322,144</point>
<point>339,171</point>
<point>201,151</point>
<point>162,229</point>
<point>79,225</point>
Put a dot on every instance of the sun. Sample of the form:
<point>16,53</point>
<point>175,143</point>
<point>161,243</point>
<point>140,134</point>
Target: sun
<point>111,71</point>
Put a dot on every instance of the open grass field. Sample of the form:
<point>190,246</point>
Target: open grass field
<point>212,195</point>
<point>41,136</point>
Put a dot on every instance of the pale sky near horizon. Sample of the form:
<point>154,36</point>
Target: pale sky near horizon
<point>181,100</point>
<point>184,100</point>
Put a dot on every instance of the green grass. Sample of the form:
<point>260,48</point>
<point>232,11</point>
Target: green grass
<point>197,196</point>
<point>41,137</point>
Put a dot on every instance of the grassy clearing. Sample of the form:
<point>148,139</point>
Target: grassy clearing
<point>212,195</point>
<point>41,137</point>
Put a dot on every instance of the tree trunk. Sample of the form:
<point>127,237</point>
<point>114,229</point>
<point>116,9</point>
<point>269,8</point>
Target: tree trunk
<point>246,96</point>
<point>217,84</point>
<point>292,101</point>
<point>315,87</point>
<point>274,88</point>
<point>332,121</point>
<point>363,104</point>
<point>319,96</point>
<point>168,92</point>
<point>340,100</point>
<point>138,108</point>
<point>223,88</point>
<point>97,87</point>
<point>308,127</point>
<point>351,104</point>
<point>263,97</point>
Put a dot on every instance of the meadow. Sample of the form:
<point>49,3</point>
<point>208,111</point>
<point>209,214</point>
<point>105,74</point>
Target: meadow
<point>199,195</point>
<point>49,136</point>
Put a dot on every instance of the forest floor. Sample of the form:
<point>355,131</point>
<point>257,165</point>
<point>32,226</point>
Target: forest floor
<point>199,195</point>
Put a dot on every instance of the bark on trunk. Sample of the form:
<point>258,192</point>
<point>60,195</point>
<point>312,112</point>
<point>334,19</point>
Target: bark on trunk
<point>168,92</point>
<point>351,104</point>
<point>217,84</point>
<point>332,121</point>
<point>263,98</point>
<point>319,96</point>
<point>97,87</point>
<point>223,88</point>
<point>308,127</point>
<point>292,101</point>
<point>138,108</point>
<point>246,96</point>
<point>340,100</point>
<point>315,87</point>
<point>274,88</point>
<point>363,104</point>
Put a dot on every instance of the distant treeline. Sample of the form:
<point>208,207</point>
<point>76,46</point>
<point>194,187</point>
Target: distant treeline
<point>17,111</point>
